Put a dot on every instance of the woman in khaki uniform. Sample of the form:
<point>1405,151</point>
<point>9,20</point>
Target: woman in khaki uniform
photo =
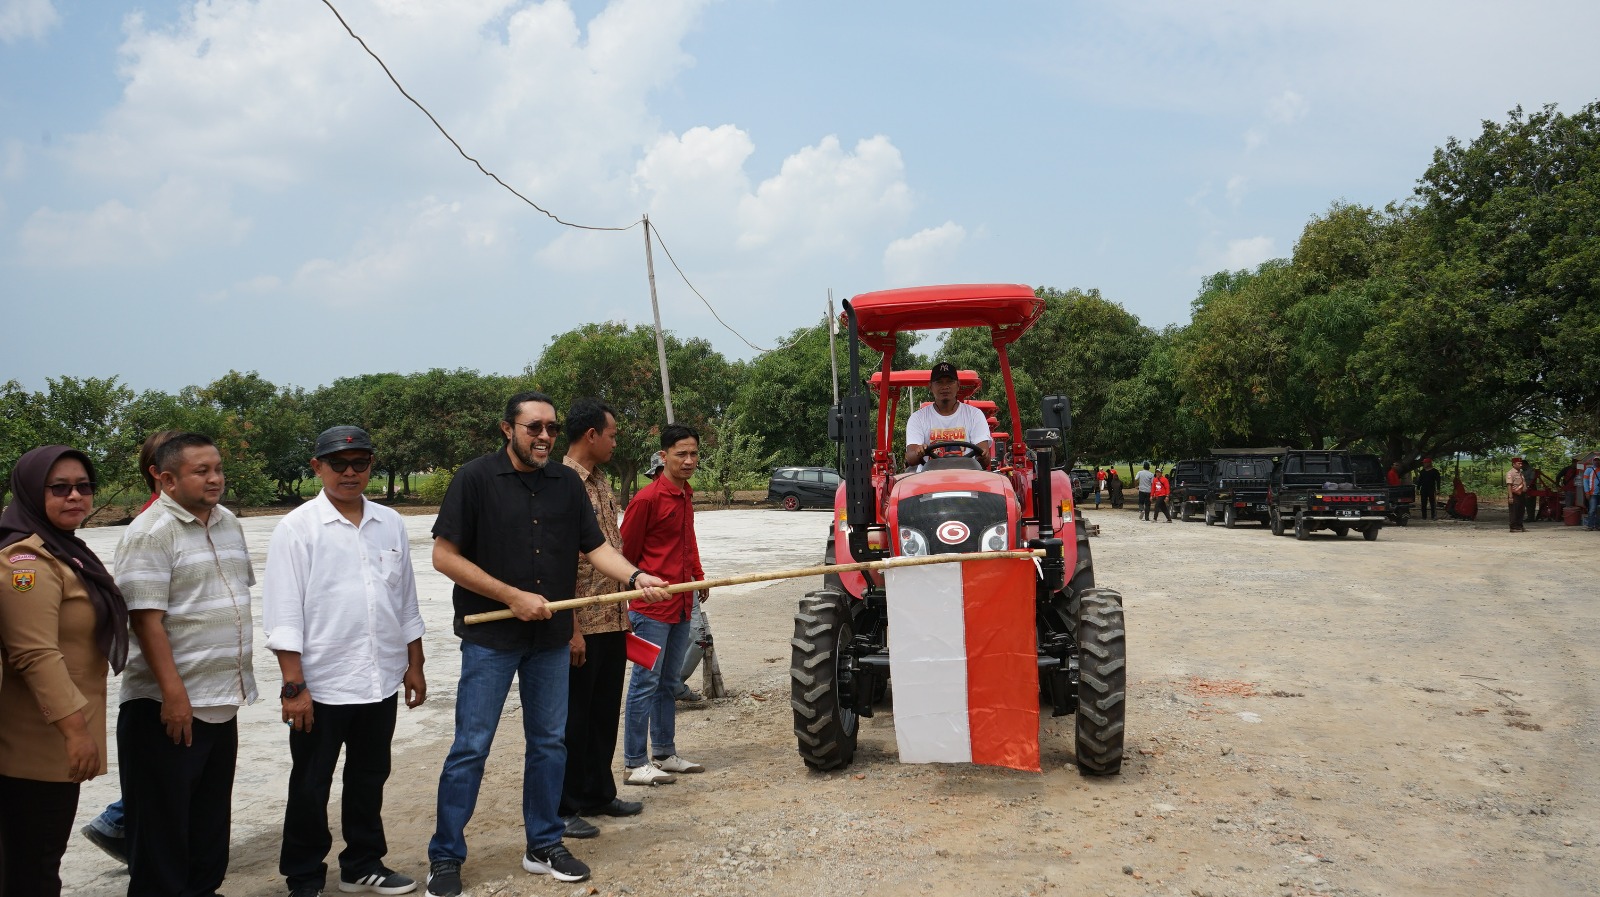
<point>62,622</point>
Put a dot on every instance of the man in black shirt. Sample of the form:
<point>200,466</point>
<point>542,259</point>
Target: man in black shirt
<point>1428,489</point>
<point>508,535</point>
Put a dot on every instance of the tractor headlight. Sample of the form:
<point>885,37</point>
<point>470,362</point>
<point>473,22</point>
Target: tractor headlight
<point>994,538</point>
<point>912,542</point>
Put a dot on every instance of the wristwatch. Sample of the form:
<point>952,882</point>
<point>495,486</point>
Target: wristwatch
<point>634,578</point>
<point>291,689</point>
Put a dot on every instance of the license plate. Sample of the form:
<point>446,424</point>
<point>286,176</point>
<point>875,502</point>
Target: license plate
<point>1347,513</point>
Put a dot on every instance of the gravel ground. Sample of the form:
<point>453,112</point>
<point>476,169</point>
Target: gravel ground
<point>1410,716</point>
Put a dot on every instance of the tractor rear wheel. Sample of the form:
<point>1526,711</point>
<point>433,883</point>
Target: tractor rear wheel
<point>825,727</point>
<point>1102,682</point>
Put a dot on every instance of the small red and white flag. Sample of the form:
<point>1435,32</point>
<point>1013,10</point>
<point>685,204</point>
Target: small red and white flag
<point>964,663</point>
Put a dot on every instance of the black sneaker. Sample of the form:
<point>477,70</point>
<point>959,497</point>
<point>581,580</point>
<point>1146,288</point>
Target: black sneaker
<point>556,862</point>
<point>116,848</point>
<point>444,878</point>
<point>379,881</point>
<point>305,891</point>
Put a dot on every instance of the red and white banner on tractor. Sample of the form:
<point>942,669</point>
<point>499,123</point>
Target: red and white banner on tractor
<point>964,664</point>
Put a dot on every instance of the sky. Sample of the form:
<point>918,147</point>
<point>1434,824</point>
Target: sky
<point>188,188</point>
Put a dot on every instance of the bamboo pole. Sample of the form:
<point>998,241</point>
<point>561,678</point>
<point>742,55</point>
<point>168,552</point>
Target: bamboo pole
<point>619,597</point>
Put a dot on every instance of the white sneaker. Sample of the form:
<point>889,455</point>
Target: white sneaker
<point>648,774</point>
<point>676,763</point>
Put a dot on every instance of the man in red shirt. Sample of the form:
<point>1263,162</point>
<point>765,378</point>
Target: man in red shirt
<point>1160,488</point>
<point>658,537</point>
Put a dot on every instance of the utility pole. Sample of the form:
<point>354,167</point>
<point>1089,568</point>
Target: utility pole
<point>655,306</point>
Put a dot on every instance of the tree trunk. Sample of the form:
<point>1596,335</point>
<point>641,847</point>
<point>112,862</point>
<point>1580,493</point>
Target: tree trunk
<point>406,484</point>
<point>391,485</point>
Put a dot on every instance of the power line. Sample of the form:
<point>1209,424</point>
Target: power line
<point>452,140</point>
<point>496,178</point>
<point>651,228</point>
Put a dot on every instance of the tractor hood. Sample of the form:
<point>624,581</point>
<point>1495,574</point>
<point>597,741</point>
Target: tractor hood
<point>949,511</point>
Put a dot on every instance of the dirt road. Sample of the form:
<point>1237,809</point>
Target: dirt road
<point>1411,716</point>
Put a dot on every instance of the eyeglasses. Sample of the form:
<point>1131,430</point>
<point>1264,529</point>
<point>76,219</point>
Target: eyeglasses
<point>340,465</point>
<point>62,490</point>
<point>552,428</point>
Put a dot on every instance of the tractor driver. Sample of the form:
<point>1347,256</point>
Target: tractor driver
<point>947,420</point>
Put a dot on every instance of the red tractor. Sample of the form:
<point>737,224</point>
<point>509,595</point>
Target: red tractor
<point>840,661</point>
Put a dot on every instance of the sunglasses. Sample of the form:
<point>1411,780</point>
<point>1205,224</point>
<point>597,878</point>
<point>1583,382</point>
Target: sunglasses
<point>550,429</point>
<point>62,490</point>
<point>340,465</point>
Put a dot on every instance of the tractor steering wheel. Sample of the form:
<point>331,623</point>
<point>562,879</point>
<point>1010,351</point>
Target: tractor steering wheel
<point>968,450</point>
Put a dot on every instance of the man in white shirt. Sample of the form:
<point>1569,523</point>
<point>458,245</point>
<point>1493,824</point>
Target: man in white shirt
<point>339,605</point>
<point>948,419</point>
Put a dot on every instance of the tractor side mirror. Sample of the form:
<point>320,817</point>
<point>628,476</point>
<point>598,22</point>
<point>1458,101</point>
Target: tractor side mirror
<point>835,428</point>
<point>1055,412</point>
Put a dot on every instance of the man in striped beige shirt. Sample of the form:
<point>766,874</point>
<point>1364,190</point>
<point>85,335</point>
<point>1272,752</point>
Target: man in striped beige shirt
<point>185,571</point>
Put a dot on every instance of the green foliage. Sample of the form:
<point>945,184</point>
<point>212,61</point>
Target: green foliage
<point>1082,347</point>
<point>433,486</point>
<point>731,457</point>
<point>618,365</point>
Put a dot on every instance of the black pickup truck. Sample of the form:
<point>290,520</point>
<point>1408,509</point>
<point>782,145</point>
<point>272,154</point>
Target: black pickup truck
<point>1314,490</point>
<point>1238,490</point>
<point>1191,483</point>
<point>1371,474</point>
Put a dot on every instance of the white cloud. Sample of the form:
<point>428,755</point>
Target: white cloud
<point>26,20</point>
<point>1248,252</point>
<point>177,215</point>
<point>1287,108</point>
<point>1254,139</point>
<point>921,257</point>
<point>1238,185</point>
<point>824,198</point>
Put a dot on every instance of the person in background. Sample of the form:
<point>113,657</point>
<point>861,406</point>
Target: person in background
<point>1428,489</point>
<point>1114,488</point>
<point>63,622</point>
<point>1141,482</point>
<point>1099,485</point>
<point>1568,482</point>
<point>1393,475</point>
<point>1160,488</point>
<point>1589,483</point>
<point>1516,485</point>
<point>599,640</point>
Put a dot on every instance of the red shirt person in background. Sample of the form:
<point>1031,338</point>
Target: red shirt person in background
<point>658,537</point>
<point>1160,488</point>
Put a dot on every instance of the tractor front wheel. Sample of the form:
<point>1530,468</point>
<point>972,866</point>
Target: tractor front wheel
<point>1102,682</point>
<point>825,727</point>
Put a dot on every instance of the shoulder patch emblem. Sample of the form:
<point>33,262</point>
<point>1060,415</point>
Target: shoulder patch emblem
<point>22,580</point>
<point>19,558</point>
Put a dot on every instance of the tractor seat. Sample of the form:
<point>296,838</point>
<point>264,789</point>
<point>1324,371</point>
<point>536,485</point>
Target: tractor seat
<point>951,464</point>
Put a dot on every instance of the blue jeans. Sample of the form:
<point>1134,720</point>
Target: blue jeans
<point>109,822</point>
<point>651,708</point>
<point>1592,518</point>
<point>480,697</point>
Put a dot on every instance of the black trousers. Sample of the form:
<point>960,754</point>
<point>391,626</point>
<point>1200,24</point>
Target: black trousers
<point>179,802</point>
<point>594,704</point>
<point>1144,506</point>
<point>365,732</point>
<point>1430,505</point>
<point>1518,510</point>
<point>35,822</point>
<point>1159,507</point>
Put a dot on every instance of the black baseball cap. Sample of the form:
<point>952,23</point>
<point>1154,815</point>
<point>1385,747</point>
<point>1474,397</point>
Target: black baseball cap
<point>942,370</point>
<point>342,439</point>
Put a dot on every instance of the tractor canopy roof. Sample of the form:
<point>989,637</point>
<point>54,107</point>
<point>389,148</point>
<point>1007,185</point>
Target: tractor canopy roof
<point>1007,309</point>
<point>969,380</point>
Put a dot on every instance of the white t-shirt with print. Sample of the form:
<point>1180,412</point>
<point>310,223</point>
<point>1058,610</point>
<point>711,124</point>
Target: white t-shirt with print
<point>928,426</point>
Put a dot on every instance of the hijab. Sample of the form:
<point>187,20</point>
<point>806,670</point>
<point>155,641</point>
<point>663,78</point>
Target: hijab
<point>25,517</point>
